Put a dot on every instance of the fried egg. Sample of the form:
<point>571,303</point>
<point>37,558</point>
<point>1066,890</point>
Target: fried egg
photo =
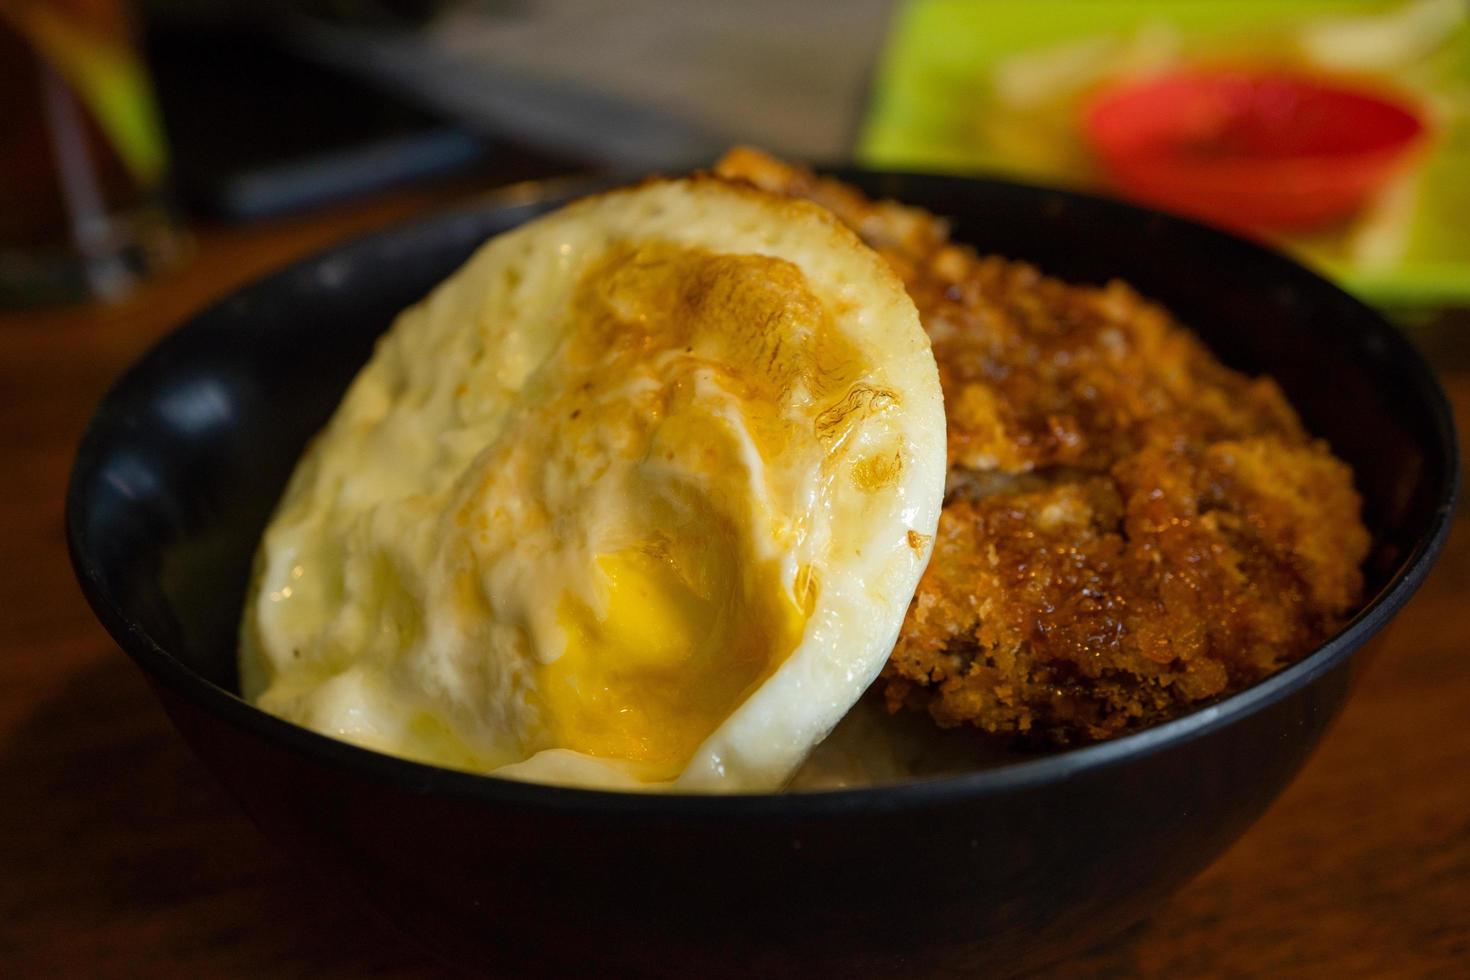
<point>636,499</point>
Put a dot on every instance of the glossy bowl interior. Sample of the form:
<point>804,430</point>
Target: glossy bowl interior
<point>1000,869</point>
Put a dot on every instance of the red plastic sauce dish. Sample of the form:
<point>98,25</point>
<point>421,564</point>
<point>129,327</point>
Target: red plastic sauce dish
<point>1256,151</point>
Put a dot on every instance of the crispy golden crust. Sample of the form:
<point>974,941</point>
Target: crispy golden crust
<point>1131,526</point>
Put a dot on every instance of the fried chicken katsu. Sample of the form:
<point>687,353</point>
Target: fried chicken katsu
<point>1130,527</point>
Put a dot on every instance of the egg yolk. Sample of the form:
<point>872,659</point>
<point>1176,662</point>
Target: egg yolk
<point>652,673</point>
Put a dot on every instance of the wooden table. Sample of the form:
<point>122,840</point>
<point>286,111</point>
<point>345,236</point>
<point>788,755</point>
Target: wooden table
<point>120,856</point>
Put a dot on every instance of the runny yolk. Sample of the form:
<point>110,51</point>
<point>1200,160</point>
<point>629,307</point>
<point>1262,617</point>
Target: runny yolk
<point>650,675</point>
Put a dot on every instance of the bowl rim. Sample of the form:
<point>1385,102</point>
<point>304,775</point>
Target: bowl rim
<point>162,669</point>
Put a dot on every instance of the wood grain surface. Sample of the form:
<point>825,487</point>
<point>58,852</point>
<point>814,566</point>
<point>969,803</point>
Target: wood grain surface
<point>119,856</point>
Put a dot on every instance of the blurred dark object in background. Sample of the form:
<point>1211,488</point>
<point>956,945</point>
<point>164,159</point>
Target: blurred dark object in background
<point>259,129</point>
<point>274,105</point>
<point>263,125</point>
<point>636,85</point>
<point>83,163</point>
<point>360,13</point>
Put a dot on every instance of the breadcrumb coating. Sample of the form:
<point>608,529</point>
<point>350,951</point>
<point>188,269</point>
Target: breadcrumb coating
<point>1131,528</point>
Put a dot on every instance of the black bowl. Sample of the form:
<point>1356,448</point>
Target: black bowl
<point>1000,869</point>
